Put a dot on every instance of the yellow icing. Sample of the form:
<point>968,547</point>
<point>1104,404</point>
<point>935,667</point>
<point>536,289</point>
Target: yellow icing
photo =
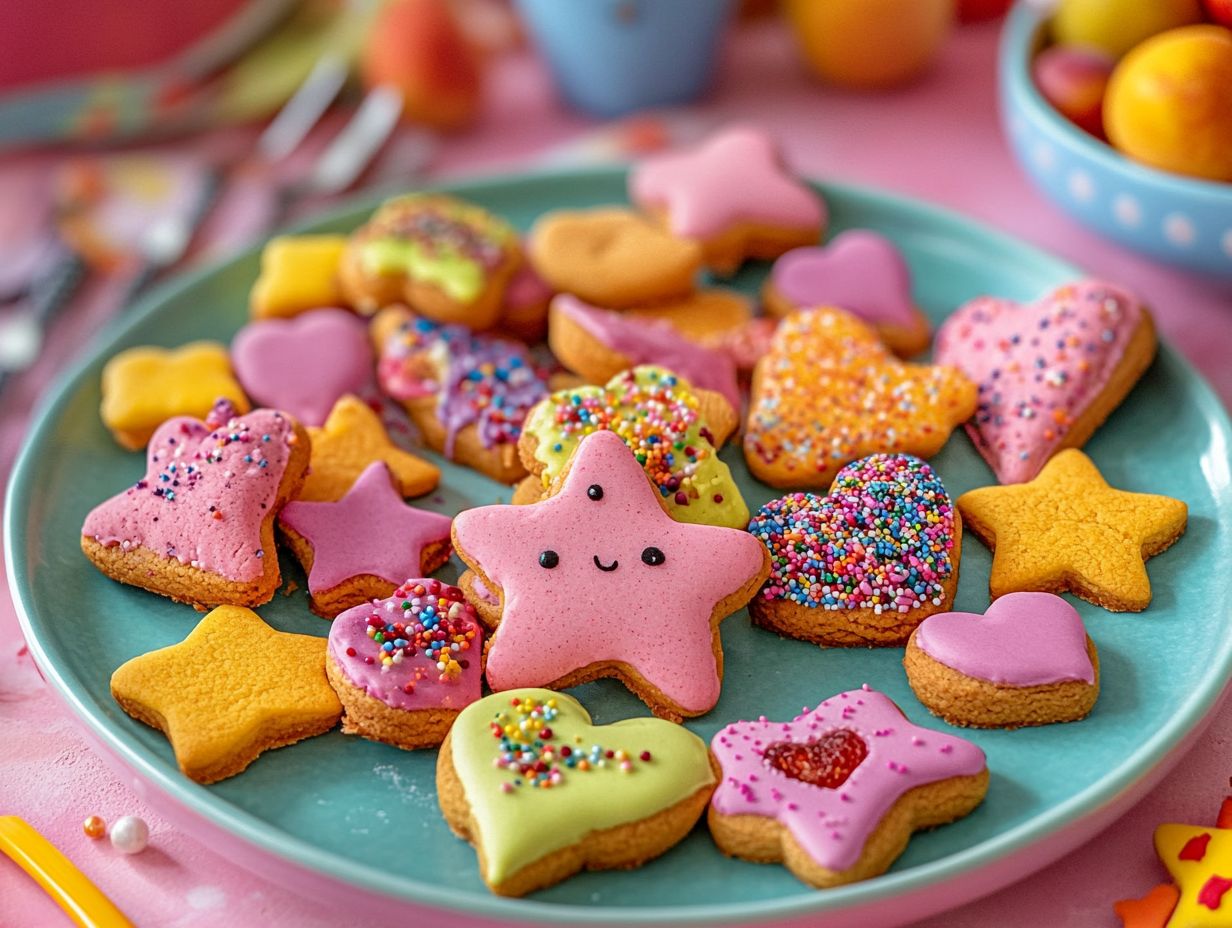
<point>298,273</point>
<point>1191,876</point>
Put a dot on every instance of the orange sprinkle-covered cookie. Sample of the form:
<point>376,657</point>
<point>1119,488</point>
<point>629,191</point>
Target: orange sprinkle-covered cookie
<point>829,392</point>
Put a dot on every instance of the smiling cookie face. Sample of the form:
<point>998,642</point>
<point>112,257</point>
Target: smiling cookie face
<point>590,577</point>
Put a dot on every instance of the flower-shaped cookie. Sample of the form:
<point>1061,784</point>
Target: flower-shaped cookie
<point>830,392</point>
<point>298,273</point>
<point>590,578</point>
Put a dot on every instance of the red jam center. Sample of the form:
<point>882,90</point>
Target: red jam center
<point>826,761</point>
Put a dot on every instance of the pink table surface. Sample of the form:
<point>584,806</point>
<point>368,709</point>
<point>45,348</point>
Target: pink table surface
<point>939,141</point>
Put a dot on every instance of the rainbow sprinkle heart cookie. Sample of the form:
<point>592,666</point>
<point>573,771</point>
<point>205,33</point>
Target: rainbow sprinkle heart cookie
<point>542,793</point>
<point>405,666</point>
<point>865,564</point>
<point>836,793</point>
<point>830,392</point>
<point>672,429</point>
<point>199,526</point>
<point>1049,373</point>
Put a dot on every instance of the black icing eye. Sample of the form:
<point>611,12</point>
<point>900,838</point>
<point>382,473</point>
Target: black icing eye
<point>595,492</point>
<point>548,559</point>
<point>653,556</point>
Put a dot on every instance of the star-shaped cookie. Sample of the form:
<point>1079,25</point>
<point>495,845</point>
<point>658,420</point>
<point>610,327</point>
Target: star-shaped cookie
<point>233,688</point>
<point>365,544</point>
<point>1200,861</point>
<point>829,392</point>
<point>1069,531</point>
<point>598,581</point>
<point>351,439</point>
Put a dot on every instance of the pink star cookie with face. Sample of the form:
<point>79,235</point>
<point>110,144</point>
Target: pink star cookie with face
<point>362,546</point>
<point>598,581</point>
<point>733,195</point>
<point>836,792</point>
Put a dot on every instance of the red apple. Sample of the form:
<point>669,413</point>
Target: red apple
<point>1219,11</point>
<point>1073,79</point>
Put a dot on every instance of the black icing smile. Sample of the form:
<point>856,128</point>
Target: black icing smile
<point>606,568</point>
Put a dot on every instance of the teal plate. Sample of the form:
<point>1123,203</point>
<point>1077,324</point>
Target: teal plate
<point>330,806</point>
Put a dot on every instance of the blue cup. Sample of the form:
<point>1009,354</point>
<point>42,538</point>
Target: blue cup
<point>611,57</point>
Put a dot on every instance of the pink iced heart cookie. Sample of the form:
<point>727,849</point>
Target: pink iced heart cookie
<point>1050,372</point>
<point>836,793</point>
<point>1026,661</point>
<point>303,365</point>
<point>859,271</point>
<point>199,526</point>
<point>405,666</point>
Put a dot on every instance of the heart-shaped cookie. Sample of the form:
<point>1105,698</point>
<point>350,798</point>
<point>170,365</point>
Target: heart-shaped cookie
<point>303,365</point>
<point>1050,372</point>
<point>542,793</point>
<point>859,271</point>
<point>612,257</point>
<point>830,392</point>
<point>836,792</point>
<point>406,665</point>
<point>865,564</point>
<point>1026,661</point>
<point>199,526</point>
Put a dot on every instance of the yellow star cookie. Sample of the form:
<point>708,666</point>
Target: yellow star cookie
<point>351,439</point>
<point>298,273</point>
<point>1067,530</point>
<point>1200,861</point>
<point>233,688</point>
<point>829,393</point>
<point>144,387</point>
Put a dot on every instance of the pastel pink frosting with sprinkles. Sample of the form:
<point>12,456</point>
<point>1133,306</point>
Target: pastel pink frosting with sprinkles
<point>204,495</point>
<point>652,341</point>
<point>303,365</point>
<point>859,271</point>
<point>417,649</point>
<point>1038,367</point>
<point>371,531</point>
<point>880,540</point>
<point>832,825</point>
<point>607,595</point>
<point>735,176</point>
<point>1022,639</point>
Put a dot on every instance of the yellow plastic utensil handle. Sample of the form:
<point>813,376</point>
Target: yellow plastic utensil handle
<point>69,887</point>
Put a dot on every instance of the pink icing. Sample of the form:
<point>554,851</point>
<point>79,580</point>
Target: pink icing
<point>859,271</point>
<point>1038,367</point>
<point>204,494</point>
<point>303,365</point>
<point>526,288</point>
<point>654,618</point>
<point>734,176</point>
<point>833,824</point>
<point>358,655</point>
<point>1023,639</point>
<point>369,531</point>
<point>652,341</point>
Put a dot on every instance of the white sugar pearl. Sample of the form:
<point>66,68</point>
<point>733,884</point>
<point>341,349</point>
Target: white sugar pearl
<point>129,835</point>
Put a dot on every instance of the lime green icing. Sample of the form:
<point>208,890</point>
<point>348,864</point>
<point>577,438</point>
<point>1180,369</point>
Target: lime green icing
<point>521,825</point>
<point>458,276</point>
<point>653,411</point>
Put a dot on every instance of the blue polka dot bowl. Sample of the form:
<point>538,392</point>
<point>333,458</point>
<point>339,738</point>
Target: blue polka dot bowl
<point>1175,219</point>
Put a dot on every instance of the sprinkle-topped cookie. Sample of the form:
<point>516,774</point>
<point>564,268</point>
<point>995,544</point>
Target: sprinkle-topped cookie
<point>1050,372</point>
<point>824,782</point>
<point>830,392</point>
<point>542,792</point>
<point>662,420</point>
<point>884,541</point>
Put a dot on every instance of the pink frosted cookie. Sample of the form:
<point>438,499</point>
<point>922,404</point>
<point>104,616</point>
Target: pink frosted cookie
<point>1026,661</point>
<point>199,526</point>
<point>1050,372</point>
<point>598,344</point>
<point>859,271</point>
<point>591,579</point>
<point>732,195</point>
<point>305,364</point>
<point>524,313</point>
<point>836,793</point>
<point>404,667</point>
<point>365,544</point>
